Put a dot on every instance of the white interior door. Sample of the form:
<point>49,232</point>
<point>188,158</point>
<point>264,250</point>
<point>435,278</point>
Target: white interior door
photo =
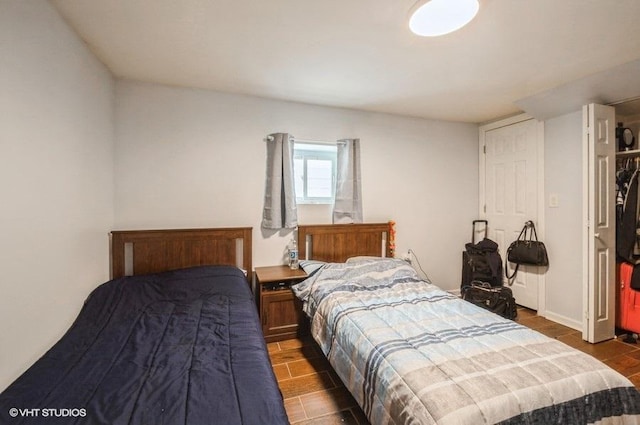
<point>511,194</point>
<point>599,222</point>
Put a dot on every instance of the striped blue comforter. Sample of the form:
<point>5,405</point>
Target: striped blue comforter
<point>411,353</point>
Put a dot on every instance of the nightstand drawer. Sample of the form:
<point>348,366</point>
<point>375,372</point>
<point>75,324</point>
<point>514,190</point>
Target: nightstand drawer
<point>280,313</point>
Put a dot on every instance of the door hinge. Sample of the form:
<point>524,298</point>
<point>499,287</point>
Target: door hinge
<point>484,149</point>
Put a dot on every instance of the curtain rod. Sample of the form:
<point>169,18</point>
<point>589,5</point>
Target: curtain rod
<point>295,139</point>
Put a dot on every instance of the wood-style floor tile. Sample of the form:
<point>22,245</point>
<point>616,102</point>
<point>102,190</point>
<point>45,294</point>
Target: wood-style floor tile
<point>344,417</point>
<point>294,409</point>
<point>323,402</point>
<point>555,330</point>
<point>601,351</point>
<point>525,312</point>
<point>532,322</point>
<point>281,371</point>
<point>300,353</point>
<point>624,364</point>
<point>306,384</point>
<point>288,344</point>
<point>634,354</point>
<point>307,366</point>
<point>635,380</point>
<point>272,347</point>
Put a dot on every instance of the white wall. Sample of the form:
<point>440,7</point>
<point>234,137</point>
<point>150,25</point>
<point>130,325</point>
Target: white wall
<point>56,169</point>
<point>563,225</point>
<point>196,158</point>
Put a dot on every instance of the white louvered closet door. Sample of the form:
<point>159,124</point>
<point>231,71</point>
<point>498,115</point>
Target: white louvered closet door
<point>599,296</point>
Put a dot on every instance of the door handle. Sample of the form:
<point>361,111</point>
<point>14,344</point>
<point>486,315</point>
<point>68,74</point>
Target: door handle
<point>596,235</point>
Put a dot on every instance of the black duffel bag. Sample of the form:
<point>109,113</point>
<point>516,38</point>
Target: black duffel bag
<point>497,300</point>
<point>526,250</point>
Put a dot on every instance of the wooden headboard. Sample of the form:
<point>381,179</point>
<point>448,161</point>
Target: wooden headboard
<point>337,242</point>
<point>152,251</point>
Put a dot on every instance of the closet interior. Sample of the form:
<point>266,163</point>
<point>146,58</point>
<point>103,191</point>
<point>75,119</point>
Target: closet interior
<point>627,171</point>
<point>628,219</point>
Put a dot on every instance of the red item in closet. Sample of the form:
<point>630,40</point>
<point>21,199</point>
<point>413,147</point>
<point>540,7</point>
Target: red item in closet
<point>628,312</point>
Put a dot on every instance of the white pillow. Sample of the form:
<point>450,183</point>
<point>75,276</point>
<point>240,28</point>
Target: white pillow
<point>364,258</point>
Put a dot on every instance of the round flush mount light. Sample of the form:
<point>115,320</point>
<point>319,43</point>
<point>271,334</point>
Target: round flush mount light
<point>431,18</point>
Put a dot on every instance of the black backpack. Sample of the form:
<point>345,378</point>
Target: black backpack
<point>481,262</point>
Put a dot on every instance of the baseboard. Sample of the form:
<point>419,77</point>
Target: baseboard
<point>455,292</point>
<point>563,320</point>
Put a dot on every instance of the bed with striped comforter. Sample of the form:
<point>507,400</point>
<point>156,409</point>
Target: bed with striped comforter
<point>411,353</point>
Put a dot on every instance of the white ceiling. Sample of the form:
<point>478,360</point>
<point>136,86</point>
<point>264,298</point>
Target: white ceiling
<point>359,53</point>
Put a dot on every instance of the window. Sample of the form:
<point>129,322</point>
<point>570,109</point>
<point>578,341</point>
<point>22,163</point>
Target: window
<point>314,169</point>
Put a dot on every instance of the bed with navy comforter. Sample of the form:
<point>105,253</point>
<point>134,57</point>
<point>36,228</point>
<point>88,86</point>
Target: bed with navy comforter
<point>180,347</point>
<point>411,353</point>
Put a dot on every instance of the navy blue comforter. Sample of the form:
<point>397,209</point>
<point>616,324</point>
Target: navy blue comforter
<point>181,347</point>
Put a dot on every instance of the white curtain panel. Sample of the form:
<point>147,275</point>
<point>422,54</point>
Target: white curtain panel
<point>347,206</point>
<point>280,209</point>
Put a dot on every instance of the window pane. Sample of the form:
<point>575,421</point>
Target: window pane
<point>314,172</point>
<point>319,178</point>
<point>298,177</point>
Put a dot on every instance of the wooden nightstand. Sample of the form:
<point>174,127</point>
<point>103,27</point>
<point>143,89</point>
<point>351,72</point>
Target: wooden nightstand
<point>280,310</point>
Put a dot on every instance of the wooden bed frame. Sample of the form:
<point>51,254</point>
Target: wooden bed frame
<point>337,242</point>
<point>135,252</point>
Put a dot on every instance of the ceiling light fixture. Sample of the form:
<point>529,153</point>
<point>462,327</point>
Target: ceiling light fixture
<point>431,18</point>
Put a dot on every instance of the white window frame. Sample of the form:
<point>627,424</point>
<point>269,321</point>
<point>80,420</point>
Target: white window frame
<point>310,151</point>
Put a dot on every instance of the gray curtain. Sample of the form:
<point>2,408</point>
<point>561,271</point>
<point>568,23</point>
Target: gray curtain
<point>280,199</point>
<point>347,206</point>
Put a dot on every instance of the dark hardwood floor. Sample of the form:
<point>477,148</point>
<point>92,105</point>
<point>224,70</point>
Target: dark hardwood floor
<point>314,395</point>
